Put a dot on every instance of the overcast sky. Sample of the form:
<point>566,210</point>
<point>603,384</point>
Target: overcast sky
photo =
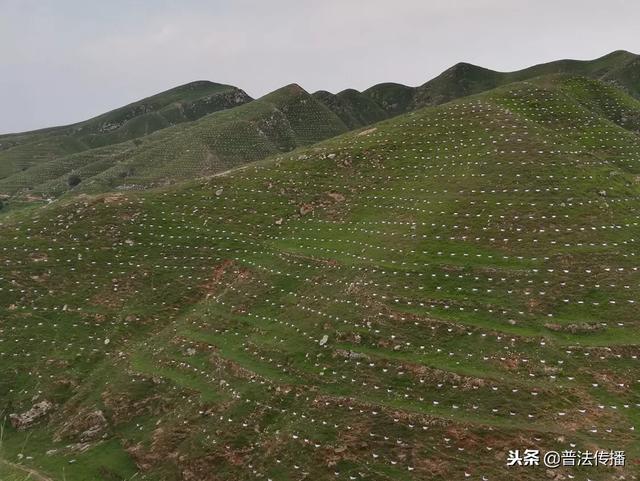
<point>63,61</point>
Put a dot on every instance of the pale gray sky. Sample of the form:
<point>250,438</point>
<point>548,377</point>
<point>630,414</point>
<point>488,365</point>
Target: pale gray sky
<point>67,60</point>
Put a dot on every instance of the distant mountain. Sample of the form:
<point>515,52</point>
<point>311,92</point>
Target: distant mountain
<point>203,128</point>
<point>385,100</point>
<point>352,107</point>
<point>620,68</point>
<point>181,104</point>
<point>278,122</point>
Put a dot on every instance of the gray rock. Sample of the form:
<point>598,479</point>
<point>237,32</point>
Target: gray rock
<point>29,418</point>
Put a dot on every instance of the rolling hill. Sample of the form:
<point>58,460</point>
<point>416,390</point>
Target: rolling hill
<point>19,152</point>
<point>204,128</point>
<point>358,109</point>
<point>619,68</point>
<point>407,301</point>
<point>278,122</point>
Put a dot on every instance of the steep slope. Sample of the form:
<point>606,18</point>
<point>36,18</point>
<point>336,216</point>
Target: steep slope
<point>278,122</point>
<point>406,302</point>
<point>352,107</point>
<point>613,67</point>
<point>393,98</point>
<point>113,151</point>
<point>620,68</point>
<point>461,80</point>
<point>181,104</point>
<point>185,103</point>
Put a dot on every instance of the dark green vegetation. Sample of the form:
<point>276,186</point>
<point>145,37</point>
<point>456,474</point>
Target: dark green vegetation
<point>407,301</point>
<point>358,109</point>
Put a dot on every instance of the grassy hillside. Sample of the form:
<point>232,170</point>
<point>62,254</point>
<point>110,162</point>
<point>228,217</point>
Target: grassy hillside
<point>19,152</point>
<point>352,107</point>
<point>277,122</point>
<point>620,68</point>
<point>115,151</point>
<point>408,301</point>
<point>185,103</point>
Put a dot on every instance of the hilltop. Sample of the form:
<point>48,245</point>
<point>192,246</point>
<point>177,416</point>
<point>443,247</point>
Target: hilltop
<point>205,128</point>
<point>19,152</point>
<point>405,301</point>
<point>280,121</point>
<point>620,68</point>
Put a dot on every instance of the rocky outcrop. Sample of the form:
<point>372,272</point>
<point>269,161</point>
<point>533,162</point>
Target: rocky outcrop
<point>27,419</point>
<point>85,426</point>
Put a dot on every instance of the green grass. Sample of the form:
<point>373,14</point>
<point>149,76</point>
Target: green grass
<point>31,158</point>
<point>445,295</point>
<point>117,151</point>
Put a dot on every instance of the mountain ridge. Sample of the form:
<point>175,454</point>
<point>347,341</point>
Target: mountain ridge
<point>163,98</point>
<point>465,78</point>
<point>110,147</point>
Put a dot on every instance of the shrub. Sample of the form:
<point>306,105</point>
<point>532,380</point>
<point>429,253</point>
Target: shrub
<point>74,180</point>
